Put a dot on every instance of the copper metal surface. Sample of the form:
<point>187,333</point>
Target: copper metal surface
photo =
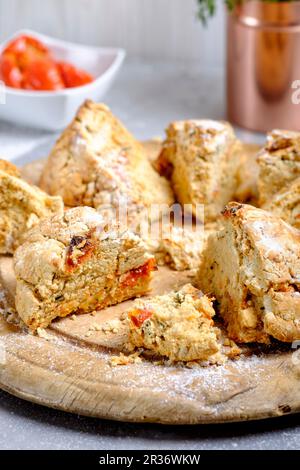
<point>263,60</point>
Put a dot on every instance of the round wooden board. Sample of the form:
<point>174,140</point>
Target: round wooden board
<point>71,370</point>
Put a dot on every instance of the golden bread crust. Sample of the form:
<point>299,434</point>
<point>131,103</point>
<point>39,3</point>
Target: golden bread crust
<point>201,159</point>
<point>279,163</point>
<point>286,204</point>
<point>96,162</point>
<point>78,263</point>
<point>21,207</point>
<point>252,266</point>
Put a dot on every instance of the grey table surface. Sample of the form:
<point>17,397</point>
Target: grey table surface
<point>146,96</point>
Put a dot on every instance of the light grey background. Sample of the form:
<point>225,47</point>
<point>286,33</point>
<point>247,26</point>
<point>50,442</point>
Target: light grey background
<point>150,29</point>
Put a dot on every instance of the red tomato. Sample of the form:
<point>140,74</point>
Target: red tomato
<point>74,77</point>
<point>138,316</point>
<point>27,63</point>
<point>26,49</point>
<point>10,72</point>
<point>42,75</point>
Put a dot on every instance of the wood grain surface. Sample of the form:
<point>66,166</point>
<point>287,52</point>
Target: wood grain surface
<point>71,368</point>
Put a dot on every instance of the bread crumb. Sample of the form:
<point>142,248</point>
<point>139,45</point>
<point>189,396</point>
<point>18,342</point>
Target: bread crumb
<point>123,360</point>
<point>111,327</point>
<point>42,333</point>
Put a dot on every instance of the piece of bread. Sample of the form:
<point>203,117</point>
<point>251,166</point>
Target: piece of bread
<point>78,263</point>
<point>279,163</point>
<point>96,162</point>
<point>21,207</point>
<point>286,204</point>
<point>180,247</point>
<point>252,267</point>
<point>178,325</point>
<point>9,168</point>
<point>201,158</point>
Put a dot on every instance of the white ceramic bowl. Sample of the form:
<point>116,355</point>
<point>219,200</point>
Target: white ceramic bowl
<point>53,110</point>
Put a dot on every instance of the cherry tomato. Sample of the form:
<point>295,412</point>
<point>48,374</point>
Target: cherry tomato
<point>27,63</point>
<point>26,49</point>
<point>42,75</point>
<point>10,72</point>
<point>138,316</point>
<point>72,76</point>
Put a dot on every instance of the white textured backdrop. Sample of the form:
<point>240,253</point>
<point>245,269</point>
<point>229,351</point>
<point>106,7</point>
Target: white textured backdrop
<point>152,29</point>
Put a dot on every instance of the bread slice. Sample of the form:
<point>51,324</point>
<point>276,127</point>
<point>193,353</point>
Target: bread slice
<point>286,204</point>
<point>201,159</point>
<point>279,163</point>
<point>252,266</point>
<point>78,263</point>
<point>178,325</point>
<point>21,207</point>
<point>96,162</point>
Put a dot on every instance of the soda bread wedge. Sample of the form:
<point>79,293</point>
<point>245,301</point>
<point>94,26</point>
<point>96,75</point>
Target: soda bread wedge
<point>252,266</point>
<point>286,204</point>
<point>279,163</point>
<point>200,157</point>
<point>21,207</point>
<point>78,263</point>
<point>178,325</point>
<point>96,162</point>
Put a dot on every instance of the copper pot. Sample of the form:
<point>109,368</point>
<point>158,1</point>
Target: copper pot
<point>263,61</point>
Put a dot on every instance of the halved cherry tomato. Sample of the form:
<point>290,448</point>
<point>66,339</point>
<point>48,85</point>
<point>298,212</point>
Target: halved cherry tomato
<point>26,49</point>
<point>27,63</point>
<point>10,73</point>
<point>42,75</point>
<point>138,316</point>
<point>72,76</point>
<point>134,275</point>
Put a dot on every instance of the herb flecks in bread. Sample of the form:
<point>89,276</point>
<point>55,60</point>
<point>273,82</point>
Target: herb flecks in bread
<point>178,325</point>
<point>78,263</point>
<point>252,266</point>
<point>200,157</point>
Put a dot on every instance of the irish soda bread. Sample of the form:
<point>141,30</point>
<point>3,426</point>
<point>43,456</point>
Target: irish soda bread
<point>252,266</point>
<point>178,325</point>
<point>200,158</point>
<point>286,204</point>
<point>21,207</point>
<point>279,163</point>
<point>96,162</point>
<point>78,263</point>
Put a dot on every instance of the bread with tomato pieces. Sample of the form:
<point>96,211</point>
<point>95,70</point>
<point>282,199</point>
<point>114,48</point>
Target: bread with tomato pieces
<point>21,207</point>
<point>96,162</point>
<point>200,157</point>
<point>286,204</point>
<point>252,266</point>
<point>178,325</point>
<point>279,163</point>
<point>77,263</point>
